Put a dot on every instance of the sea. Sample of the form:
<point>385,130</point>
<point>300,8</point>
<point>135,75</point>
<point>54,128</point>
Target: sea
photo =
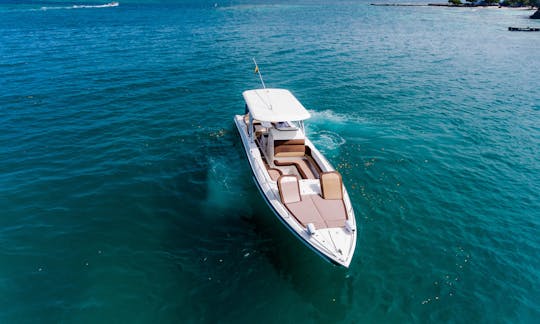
<point>126,197</point>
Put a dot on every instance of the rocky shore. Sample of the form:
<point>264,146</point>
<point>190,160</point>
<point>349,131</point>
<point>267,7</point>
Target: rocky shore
<point>536,15</point>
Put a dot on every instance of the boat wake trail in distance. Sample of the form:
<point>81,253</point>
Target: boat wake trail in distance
<point>107,5</point>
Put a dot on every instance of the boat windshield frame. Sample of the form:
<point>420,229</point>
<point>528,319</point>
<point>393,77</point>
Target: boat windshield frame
<point>298,124</point>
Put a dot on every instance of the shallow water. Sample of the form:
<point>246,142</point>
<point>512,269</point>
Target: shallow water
<point>125,196</point>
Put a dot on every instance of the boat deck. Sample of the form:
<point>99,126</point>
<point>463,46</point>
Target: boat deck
<point>319,202</point>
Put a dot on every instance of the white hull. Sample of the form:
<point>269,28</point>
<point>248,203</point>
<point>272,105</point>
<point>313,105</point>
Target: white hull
<point>336,244</point>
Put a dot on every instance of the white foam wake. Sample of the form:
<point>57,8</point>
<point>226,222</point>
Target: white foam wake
<point>328,139</point>
<point>107,5</point>
<point>328,115</point>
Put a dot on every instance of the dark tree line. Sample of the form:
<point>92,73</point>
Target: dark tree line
<point>505,3</point>
<point>521,3</point>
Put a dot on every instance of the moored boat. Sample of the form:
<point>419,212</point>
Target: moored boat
<point>527,29</point>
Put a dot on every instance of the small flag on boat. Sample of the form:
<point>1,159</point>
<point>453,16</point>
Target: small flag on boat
<point>257,71</point>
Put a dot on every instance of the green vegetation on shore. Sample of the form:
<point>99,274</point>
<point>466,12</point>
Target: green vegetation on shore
<point>505,3</point>
<point>521,3</point>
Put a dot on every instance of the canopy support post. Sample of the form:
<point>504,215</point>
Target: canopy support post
<point>250,127</point>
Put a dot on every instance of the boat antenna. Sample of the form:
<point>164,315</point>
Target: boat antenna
<point>259,72</point>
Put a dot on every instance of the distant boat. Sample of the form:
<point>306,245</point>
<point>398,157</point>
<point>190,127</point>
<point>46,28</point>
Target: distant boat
<point>297,182</point>
<point>107,5</point>
<point>528,29</point>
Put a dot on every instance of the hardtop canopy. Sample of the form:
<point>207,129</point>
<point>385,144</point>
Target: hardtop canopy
<point>274,105</point>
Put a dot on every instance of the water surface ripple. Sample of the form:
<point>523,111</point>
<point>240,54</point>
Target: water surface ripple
<point>125,196</point>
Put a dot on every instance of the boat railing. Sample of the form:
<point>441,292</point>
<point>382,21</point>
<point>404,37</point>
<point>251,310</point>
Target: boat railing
<point>348,203</point>
<point>262,169</point>
<point>261,149</point>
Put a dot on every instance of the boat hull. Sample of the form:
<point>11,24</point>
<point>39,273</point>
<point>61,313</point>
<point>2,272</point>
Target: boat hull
<point>269,192</point>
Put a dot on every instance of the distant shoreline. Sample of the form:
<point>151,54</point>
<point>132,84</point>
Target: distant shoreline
<point>398,5</point>
<point>449,6</point>
<point>535,15</point>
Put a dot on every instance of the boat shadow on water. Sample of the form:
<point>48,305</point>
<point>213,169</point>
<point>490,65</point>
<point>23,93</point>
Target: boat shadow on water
<point>325,286</point>
<point>224,227</point>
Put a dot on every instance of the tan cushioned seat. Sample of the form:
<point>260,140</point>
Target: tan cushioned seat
<point>274,173</point>
<point>292,147</point>
<point>306,212</point>
<point>306,171</point>
<point>301,165</point>
<point>289,189</point>
<point>323,213</point>
<point>331,210</point>
<point>289,150</point>
<point>331,185</point>
<point>299,141</point>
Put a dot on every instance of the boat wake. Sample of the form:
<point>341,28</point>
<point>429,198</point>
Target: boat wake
<point>328,115</point>
<point>107,5</point>
<point>328,139</point>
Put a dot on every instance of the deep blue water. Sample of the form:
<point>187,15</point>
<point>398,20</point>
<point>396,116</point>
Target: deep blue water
<point>125,196</point>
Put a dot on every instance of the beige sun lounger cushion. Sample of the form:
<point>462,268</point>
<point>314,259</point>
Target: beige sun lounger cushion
<point>332,211</point>
<point>305,212</point>
<point>331,185</point>
<point>289,189</point>
<point>323,213</point>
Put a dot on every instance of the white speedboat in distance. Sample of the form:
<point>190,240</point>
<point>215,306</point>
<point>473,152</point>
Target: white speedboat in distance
<point>300,186</point>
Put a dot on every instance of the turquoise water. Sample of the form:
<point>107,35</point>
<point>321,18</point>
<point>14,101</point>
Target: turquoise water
<point>125,196</point>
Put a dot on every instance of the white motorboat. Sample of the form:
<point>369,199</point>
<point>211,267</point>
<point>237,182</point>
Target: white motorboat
<point>300,186</point>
